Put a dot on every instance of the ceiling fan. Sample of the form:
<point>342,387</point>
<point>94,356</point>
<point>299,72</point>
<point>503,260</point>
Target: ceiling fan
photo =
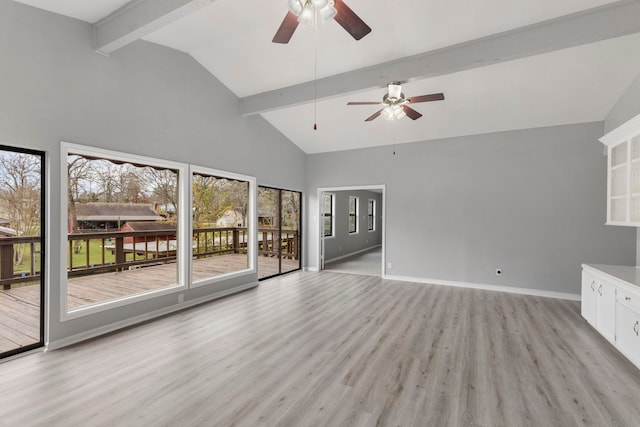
<point>395,103</point>
<point>303,11</point>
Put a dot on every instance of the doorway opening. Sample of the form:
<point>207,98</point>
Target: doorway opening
<point>352,229</point>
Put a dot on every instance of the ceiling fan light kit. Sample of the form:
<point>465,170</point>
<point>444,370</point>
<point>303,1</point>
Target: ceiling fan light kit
<point>393,112</point>
<point>304,11</point>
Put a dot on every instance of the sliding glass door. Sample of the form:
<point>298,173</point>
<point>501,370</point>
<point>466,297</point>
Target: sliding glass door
<point>279,231</point>
<point>21,250</point>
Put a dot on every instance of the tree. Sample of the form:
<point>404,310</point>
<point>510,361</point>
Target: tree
<point>78,171</point>
<point>210,199</point>
<point>164,186</point>
<point>20,177</point>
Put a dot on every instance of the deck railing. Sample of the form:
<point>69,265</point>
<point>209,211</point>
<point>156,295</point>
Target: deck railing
<point>97,252</point>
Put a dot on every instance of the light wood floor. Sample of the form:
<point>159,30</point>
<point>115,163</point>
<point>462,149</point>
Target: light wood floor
<point>329,349</point>
<point>367,263</point>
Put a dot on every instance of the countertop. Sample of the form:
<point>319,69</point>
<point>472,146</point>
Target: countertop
<point>627,273</point>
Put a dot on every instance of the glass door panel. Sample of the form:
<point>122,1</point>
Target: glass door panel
<point>21,250</point>
<point>268,232</point>
<point>290,220</point>
<point>279,237</point>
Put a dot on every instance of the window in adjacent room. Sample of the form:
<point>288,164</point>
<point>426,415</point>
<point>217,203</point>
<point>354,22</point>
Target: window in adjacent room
<point>371,214</point>
<point>328,214</point>
<point>353,214</point>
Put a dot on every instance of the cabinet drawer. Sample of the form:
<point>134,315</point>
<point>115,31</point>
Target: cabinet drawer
<point>629,299</point>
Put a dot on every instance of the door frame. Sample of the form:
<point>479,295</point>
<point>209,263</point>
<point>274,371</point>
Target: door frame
<point>44,250</point>
<point>320,223</point>
<point>300,234</point>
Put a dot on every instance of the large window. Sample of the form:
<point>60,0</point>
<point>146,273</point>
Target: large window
<point>371,215</point>
<point>21,250</point>
<point>353,214</point>
<point>140,227</point>
<point>328,214</point>
<point>122,226</point>
<point>220,206</point>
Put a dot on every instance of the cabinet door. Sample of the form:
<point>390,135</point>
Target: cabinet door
<point>628,340</point>
<point>588,305</point>
<point>606,310</point>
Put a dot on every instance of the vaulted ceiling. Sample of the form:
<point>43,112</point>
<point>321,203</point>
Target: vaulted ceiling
<point>502,64</point>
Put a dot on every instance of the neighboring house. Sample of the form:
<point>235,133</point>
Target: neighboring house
<point>5,231</point>
<point>230,218</point>
<point>168,231</point>
<point>112,216</point>
<point>266,219</point>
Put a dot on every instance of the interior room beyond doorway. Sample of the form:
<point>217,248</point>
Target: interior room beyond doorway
<point>352,229</point>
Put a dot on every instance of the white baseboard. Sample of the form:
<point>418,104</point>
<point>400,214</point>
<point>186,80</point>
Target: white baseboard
<point>350,254</point>
<point>311,269</point>
<point>510,289</point>
<point>55,345</point>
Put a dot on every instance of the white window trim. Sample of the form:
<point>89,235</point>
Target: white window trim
<point>182,229</point>
<point>251,224</point>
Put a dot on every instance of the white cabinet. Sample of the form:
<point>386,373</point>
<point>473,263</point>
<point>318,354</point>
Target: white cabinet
<point>623,174</point>
<point>598,304</point>
<point>611,303</point>
<point>588,306</point>
<point>628,325</point>
<point>606,310</point>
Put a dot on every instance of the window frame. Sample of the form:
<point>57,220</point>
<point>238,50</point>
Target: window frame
<point>252,214</point>
<point>183,228</point>
<point>332,215</point>
<point>354,214</point>
<point>371,217</point>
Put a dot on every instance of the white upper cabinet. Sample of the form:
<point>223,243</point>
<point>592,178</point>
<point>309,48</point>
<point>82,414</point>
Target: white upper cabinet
<point>623,174</point>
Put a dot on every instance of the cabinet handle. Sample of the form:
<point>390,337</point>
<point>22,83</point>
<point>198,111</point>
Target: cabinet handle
<point>627,298</point>
<point>635,328</point>
<point>600,289</point>
<point>593,285</point>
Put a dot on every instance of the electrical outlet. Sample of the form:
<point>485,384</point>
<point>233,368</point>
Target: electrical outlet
<point>180,298</point>
<point>389,266</point>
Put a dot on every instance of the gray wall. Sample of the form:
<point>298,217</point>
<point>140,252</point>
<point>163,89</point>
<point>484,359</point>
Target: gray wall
<point>627,107</point>
<point>344,243</point>
<point>531,202</point>
<point>144,99</point>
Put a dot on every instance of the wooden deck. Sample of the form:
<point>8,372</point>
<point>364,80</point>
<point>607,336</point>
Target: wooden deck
<point>20,307</point>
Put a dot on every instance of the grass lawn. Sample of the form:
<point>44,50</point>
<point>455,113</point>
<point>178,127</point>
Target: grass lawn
<point>79,259</point>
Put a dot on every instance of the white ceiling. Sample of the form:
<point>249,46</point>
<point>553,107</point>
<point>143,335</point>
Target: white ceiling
<point>232,39</point>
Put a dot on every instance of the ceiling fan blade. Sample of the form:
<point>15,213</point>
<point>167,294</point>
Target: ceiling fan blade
<point>287,28</point>
<point>374,115</point>
<point>350,21</point>
<point>364,103</point>
<point>426,98</point>
<point>411,113</point>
